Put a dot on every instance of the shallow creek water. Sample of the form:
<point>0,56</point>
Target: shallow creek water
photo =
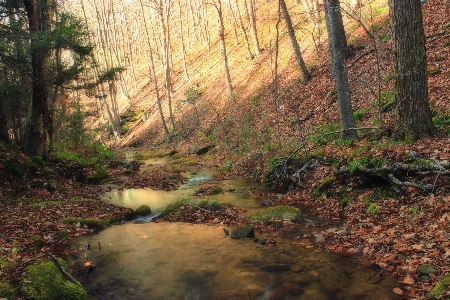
<point>153,260</point>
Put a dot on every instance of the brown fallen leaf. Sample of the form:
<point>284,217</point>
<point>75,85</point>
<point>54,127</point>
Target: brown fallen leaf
<point>398,291</point>
<point>408,280</point>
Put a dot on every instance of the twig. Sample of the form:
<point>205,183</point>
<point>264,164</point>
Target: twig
<point>61,269</point>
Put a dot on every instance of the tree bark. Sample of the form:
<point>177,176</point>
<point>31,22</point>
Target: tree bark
<point>251,14</point>
<point>297,51</point>
<point>336,39</point>
<point>244,32</point>
<point>39,19</point>
<point>412,110</point>
<point>223,49</point>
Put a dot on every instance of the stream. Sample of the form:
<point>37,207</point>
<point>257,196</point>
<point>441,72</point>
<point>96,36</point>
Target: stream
<point>142,259</point>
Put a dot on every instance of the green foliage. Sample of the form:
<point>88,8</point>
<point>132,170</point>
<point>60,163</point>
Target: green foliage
<point>331,94</point>
<point>442,122</point>
<point>389,97</point>
<point>100,174</point>
<point>110,74</point>
<point>7,290</point>
<point>358,115</point>
<point>256,100</point>
<point>192,94</point>
<point>127,121</point>
<point>13,167</point>
<point>90,222</point>
<point>385,38</point>
<point>276,213</point>
<point>321,189</point>
<point>143,210</point>
<point>362,163</point>
<point>44,281</point>
<point>318,136</point>
<point>344,197</point>
<point>74,132</point>
<point>435,72</point>
<point>373,209</point>
<point>38,240</point>
<point>422,163</point>
<point>388,77</point>
<point>177,207</point>
<point>414,210</point>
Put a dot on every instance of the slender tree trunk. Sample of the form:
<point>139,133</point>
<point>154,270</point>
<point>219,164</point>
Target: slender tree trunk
<point>153,73</point>
<point>412,110</point>
<point>244,32</point>
<point>298,53</point>
<point>181,36</point>
<point>4,136</point>
<point>336,34</point>
<point>223,49</point>
<point>250,9</point>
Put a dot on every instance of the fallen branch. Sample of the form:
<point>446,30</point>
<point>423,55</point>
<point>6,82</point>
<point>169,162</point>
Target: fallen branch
<point>61,269</point>
<point>410,184</point>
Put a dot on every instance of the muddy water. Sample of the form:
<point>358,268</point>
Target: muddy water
<point>163,261</point>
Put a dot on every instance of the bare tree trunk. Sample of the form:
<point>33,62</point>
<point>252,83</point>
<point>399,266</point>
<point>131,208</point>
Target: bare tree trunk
<point>153,73</point>
<point>298,53</point>
<point>4,136</point>
<point>235,23</point>
<point>181,36</point>
<point>412,109</point>
<point>251,14</point>
<point>336,34</point>
<point>223,49</point>
<point>244,32</point>
<point>163,15</point>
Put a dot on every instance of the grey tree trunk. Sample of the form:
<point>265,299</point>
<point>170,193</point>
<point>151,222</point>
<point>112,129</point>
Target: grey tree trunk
<point>4,137</point>
<point>336,39</point>
<point>244,32</point>
<point>251,15</point>
<point>152,73</point>
<point>223,49</point>
<point>412,110</point>
<point>298,53</point>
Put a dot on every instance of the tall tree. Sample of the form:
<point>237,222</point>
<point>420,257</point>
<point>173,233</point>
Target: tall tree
<point>297,51</point>
<point>39,19</point>
<point>412,110</point>
<point>337,41</point>
<point>223,48</point>
<point>251,16</point>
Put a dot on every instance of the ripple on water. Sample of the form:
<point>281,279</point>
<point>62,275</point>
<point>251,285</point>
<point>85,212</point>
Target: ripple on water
<point>180,261</point>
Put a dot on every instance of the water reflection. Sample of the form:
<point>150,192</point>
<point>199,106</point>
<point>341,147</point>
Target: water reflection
<point>179,261</point>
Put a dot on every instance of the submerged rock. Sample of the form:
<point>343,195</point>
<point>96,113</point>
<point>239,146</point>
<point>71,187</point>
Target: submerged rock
<point>243,232</point>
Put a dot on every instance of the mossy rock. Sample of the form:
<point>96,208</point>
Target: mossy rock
<point>7,290</point>
<point>43,281</point>
<point>89,222</point>
<point>321,189</point>
<point>276,213</point>
<point>426,269</point>
<point>143,210</point>
<point>243,232</point>
<point>38,240</point>
<point>440,287</point>
<point>177,207</point>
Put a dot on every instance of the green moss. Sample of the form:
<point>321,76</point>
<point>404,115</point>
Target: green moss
<point>423,163</point>
<point>440,287</point>
<point>211,204</point>
<point>44,281</point>
<point>7,290</point>
<point>143,210</point>
<point>360,164</point>
<point>276,213</point>
<point>100,174</point>
<point>148,155</point>
<point>389,77</point>
<point>90,222</point>
<point>38,240</point>
<point>372,209</point>
<point>185,161</point>
<point>321,190</point>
